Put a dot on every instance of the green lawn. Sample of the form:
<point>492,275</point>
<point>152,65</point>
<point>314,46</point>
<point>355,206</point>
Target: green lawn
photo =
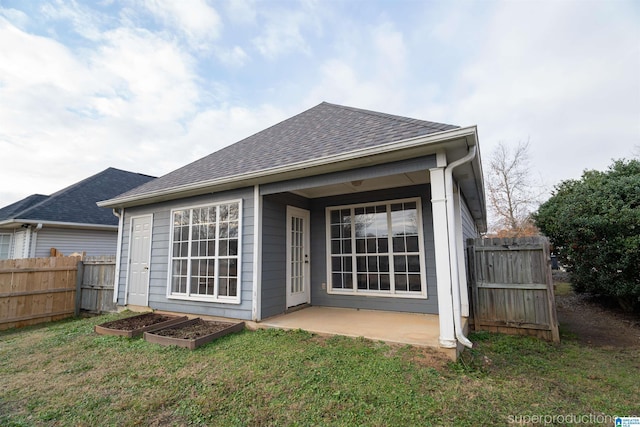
<point>64,374</point>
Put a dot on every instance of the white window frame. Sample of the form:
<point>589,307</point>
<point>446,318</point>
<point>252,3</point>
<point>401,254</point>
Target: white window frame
<point>9,244</point>
<point>205,298</point>
<point>392,292</point>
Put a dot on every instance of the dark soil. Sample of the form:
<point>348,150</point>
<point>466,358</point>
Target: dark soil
<point>197,329</point>
<point>597,324</point>
<point>137,322</point>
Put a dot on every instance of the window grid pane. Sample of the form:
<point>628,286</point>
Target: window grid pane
<point>384,249</point>
<point>205,251</point>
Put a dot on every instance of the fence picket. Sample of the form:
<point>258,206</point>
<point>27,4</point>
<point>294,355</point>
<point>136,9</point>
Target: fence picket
<point>40,290</point>
<point>511,286</point>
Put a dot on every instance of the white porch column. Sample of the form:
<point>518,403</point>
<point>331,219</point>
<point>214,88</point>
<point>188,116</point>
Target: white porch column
<point>443,272</point>
<point>256,309</point>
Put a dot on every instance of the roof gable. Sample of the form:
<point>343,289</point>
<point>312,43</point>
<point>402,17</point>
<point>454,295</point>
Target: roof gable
<point>77,203</point>
<point>322,131</point>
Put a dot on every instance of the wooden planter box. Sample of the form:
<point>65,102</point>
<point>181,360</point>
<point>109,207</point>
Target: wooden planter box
<point>191,343</point>
<point>110,328</point>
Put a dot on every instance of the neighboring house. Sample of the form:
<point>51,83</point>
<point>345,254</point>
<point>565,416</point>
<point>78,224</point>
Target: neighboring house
<point>69,220</point>
<point>336,206</point>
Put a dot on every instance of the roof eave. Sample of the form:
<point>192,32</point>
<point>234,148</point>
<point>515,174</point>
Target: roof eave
<point>360,157</point>
<point>473,189</point>
<point>60,224</point>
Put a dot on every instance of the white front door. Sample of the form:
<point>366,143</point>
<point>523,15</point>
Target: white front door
<point>298,267</point>
<point>139,258</point>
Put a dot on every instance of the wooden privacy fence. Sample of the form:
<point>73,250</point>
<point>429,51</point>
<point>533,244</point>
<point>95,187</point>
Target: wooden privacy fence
<point>37,290</point>
<point>511,286</point>
<point>97,283</point>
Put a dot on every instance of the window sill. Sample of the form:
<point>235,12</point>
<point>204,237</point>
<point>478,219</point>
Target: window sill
<point>382,294</point>
<point>205,299</point>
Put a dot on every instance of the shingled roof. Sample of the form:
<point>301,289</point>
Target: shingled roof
<point>77,203</point>
<point>322,131</point>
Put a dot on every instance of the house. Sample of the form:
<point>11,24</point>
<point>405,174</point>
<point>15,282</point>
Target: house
<point>334,207</point>
<point>68,220</point>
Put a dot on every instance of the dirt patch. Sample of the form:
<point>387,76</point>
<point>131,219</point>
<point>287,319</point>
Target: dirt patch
<point>198,328</point>
<point>429,358</point>
<point>595,324</point>
<point>137,322</point>
<point>423,356</point>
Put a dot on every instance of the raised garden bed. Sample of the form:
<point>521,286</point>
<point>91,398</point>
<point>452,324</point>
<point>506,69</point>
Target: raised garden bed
<point>192,333</point>
<point>135,326</point>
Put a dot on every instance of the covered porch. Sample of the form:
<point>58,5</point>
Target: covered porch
<point>417,329</point>
<point>369,249</point>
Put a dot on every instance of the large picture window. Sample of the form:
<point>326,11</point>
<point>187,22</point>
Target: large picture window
<point>377,249</point>
<point>205,252</point>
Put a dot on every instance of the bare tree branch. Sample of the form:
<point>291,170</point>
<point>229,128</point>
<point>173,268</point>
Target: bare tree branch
<point>513,193</point>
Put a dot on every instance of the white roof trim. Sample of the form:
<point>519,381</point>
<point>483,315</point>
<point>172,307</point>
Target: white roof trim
<point>362,153</point>
<point>59,224</point>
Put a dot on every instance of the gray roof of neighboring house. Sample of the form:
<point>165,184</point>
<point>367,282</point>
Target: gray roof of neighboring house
<point>12,210</point>
<point>324,130</point>
<point>77,203</point>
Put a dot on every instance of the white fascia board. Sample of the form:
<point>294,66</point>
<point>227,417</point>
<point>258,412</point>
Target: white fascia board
<point>252,178</point>
<point>7,222</point>
<point>61,224</point>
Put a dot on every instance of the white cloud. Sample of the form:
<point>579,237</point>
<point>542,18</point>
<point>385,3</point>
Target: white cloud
<point>195,18</point>
<point>18,17</point>
<point>150,79</point>
<point>27,60</point>
<point>560,75</point>
<point>283,32</point>
<point>369,77</point>
<point>389,47</point>
<point>340,83</point>
<point>242,11</point>
<point>66,115</point>
<point>213,129</point>
<point>233,57</point>
<point>82,19</point>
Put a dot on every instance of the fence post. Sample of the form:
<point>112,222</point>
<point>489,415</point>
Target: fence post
<point>473,294</point>
<point>551,297</point>
<point>79,277</point>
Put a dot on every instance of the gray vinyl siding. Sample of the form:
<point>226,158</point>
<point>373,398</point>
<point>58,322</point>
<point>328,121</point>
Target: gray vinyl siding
<point>68,241</point>
<point>274,250</point>
<point>469,229</point>
<point>159,268</point>
<point>321,297</point>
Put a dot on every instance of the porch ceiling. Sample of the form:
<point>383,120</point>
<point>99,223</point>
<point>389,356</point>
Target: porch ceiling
<point>363,185</point>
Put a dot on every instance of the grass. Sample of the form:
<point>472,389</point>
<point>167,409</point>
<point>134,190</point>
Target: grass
<point>563,288</point>
<point>64,374</point>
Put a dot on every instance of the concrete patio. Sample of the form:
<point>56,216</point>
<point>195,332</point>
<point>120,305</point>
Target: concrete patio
<point>404,328</point>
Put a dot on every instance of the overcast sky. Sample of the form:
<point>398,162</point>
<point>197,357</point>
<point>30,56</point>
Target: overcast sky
<point>150,85</point>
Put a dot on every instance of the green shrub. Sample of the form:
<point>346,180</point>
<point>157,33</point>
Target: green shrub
<point>594,224</point>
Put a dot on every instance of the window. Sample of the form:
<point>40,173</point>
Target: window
<point>5,245</point>
<point>377,249</point>
<point>205,258</point>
